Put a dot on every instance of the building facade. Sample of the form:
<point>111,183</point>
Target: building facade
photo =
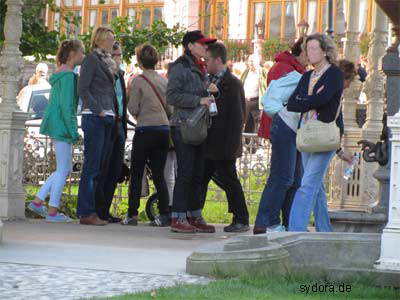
<point>224,19</point>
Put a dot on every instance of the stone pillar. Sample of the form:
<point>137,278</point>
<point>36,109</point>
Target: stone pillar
<point>1,231</point>
<point>374,88</point>
<point>237,19</point>
<point>12,121</point>
<point>171,8</point>
<point>340,24</point>
<point>390,255</point>
<point>345,194</point>
<point>193,14</point>
<point>257,50</point>
<point>352,52</point>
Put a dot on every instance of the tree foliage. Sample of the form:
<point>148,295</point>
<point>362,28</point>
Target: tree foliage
<point>36,39</point>
<point>159,35</point>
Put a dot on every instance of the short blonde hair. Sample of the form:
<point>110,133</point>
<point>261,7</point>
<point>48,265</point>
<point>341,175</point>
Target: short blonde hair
<point>98,36</point>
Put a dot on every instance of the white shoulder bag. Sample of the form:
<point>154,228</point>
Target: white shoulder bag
<point>317,136</point>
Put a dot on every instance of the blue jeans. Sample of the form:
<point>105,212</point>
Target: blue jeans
<point>285,171</point>
<point>311,195</point>
<point>55,183</point>
<point>97,138</point>
<point>287,203</point>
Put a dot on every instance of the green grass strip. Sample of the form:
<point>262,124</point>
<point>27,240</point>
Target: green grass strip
<point>263,288</point>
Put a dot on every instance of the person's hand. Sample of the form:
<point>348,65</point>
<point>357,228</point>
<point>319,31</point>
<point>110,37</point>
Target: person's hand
<point>213,88</point>
<point>320,89</point>
<point>205,101</point>
<point>346,156</point>
<point>102,114</point>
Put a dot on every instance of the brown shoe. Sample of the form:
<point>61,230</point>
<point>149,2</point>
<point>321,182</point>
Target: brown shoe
<point>259,230</point>
<point>92,220</point>
<point>182,226</point>
<point>200,224</point>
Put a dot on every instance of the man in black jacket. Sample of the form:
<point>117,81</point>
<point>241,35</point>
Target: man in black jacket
<point>224,140</point>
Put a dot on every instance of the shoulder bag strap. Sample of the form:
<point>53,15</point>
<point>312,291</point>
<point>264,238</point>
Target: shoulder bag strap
<point>338,111</point>
<point>156,92</point>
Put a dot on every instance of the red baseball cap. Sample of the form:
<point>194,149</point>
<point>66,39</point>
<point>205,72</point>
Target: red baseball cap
<point>196,36</point>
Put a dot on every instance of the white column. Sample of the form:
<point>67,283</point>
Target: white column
<point>345,194</point>
<point>340,24</point>
<point>390,254</point>
<point>171,13</point>
<point>193,14</point>
<point>374,88</point>
<point>352,52</point>
<point>237,19</point>
<point>1,231</point>
<point>12,121</point>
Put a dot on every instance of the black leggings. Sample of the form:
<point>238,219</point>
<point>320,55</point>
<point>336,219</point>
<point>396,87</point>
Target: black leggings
<point>151,145</point>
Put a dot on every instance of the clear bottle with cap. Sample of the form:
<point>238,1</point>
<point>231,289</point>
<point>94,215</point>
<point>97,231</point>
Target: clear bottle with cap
<point>213,107</point>
<point>348,172</point>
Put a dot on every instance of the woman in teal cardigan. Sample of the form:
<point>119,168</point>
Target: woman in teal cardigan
<point>60,124</point>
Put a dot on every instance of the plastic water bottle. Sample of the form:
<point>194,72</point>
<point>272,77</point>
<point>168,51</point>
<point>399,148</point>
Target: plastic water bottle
<point>348,172</point>
<point>213,107</point>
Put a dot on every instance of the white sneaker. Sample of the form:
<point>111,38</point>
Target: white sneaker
<point>276,228</point>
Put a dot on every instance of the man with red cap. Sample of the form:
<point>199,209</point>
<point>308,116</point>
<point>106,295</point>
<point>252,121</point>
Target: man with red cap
<point>186,90</point>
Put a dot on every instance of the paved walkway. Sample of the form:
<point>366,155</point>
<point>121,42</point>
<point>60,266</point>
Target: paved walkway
<point>49,283</point>
<point>69,261</point>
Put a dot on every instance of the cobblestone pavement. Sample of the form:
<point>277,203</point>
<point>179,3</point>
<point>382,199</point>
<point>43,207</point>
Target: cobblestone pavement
<point>18,282</point>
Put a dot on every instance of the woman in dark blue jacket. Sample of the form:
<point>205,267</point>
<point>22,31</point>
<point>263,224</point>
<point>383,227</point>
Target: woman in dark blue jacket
<point>317,96</point>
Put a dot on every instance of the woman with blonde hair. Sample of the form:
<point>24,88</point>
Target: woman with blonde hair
<point>317,96</point>
<point>96,89</point>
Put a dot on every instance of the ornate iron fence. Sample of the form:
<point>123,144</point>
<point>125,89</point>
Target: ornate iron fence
<point>252,167</point>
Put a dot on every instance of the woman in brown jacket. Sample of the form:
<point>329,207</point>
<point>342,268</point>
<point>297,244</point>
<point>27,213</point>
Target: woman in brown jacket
<point>147,104</point>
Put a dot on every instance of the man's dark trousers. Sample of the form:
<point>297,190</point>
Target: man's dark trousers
<point>226,170</point>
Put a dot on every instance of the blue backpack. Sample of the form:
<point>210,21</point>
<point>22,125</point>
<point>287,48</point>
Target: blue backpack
<point>278,92</point>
